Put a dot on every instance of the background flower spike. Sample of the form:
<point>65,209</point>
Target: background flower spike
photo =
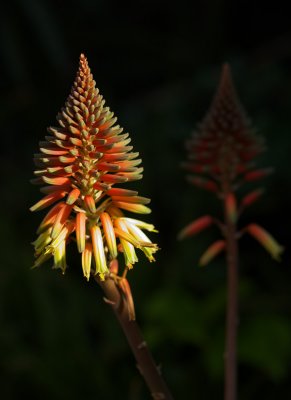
<point>224,144</point>
<point>222,158</point>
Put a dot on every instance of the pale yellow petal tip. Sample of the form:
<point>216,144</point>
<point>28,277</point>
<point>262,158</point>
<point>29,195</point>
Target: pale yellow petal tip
<point>212,251</point>
<point>277,257</point>
<point>87,277</point>
<point>266,240</point>
<point>101,276</point>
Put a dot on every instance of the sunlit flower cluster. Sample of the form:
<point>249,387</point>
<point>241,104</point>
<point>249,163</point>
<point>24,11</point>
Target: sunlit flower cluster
<point>80,162</point>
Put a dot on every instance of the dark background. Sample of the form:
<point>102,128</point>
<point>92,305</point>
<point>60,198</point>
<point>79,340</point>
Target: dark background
<point>157,65</point>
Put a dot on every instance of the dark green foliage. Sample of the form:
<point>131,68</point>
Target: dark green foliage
<point>157,65</point>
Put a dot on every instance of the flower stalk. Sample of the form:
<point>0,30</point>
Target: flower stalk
<point>145,362</point>
<point>221,160</point>
<point>230,354</point>
<point>80,163</point>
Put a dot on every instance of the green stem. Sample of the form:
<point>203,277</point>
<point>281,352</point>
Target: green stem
<point>230,367</point>
<point>145,361</point>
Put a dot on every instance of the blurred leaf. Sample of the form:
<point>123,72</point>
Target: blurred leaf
<point>177,315</point>
<point>265,343</point>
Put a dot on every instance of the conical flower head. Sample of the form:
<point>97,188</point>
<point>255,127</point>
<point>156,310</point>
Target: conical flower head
<point>224,145</point>
<point>222,156</point>
<point>80,162</point>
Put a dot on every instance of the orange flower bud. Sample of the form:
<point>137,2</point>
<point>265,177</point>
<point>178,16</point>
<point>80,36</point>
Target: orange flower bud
<point>136,208</point>
<point>81,231</point>
<point>90,203</point>
<point>251,197</point>
<point>196,226</point>
<point>50,217</point>
<point>48,200</point>
<point>212,252</point>
<point>257,174</point>
<point>126,292</point>
<point>73,196</point>
<point>60,220</point>
<point>266,240</point>
<point>203,183</point>
<point>113,266</point>
<point>230,207</point>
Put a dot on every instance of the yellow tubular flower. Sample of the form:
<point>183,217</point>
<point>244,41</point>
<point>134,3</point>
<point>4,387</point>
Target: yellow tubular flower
<point>60,256</point>
<point>86,260</point>
<point>146,245</point>
<point>79,164</point>
<point>98,251</point>
<point>126,240</point>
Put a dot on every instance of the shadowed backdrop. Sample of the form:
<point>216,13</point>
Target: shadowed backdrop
<point>157,66</point>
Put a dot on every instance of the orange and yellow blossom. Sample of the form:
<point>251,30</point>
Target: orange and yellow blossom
<point>80,162</point>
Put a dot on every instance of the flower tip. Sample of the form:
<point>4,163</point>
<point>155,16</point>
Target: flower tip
<point>278,256</point>
<point>230,207</point>
<point>252,197</point>
<point>195,227</point>
<point>83,59</point>
<point>266,240</point>
<point>212,251</point>
<point>180,235</point>
<point>127,296</point>
<point>113,267</point>
<point>226,76</point>
<point>101,276</point>
<point>226,70</point>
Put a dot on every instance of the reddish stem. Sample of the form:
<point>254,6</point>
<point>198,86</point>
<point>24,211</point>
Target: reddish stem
<point>145,361</point>
<point>230,366</point>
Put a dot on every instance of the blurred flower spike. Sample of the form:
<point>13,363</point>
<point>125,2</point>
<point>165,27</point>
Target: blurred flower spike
<point>223,149</point>
<point>221,158</point>
<point>80,162</point>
